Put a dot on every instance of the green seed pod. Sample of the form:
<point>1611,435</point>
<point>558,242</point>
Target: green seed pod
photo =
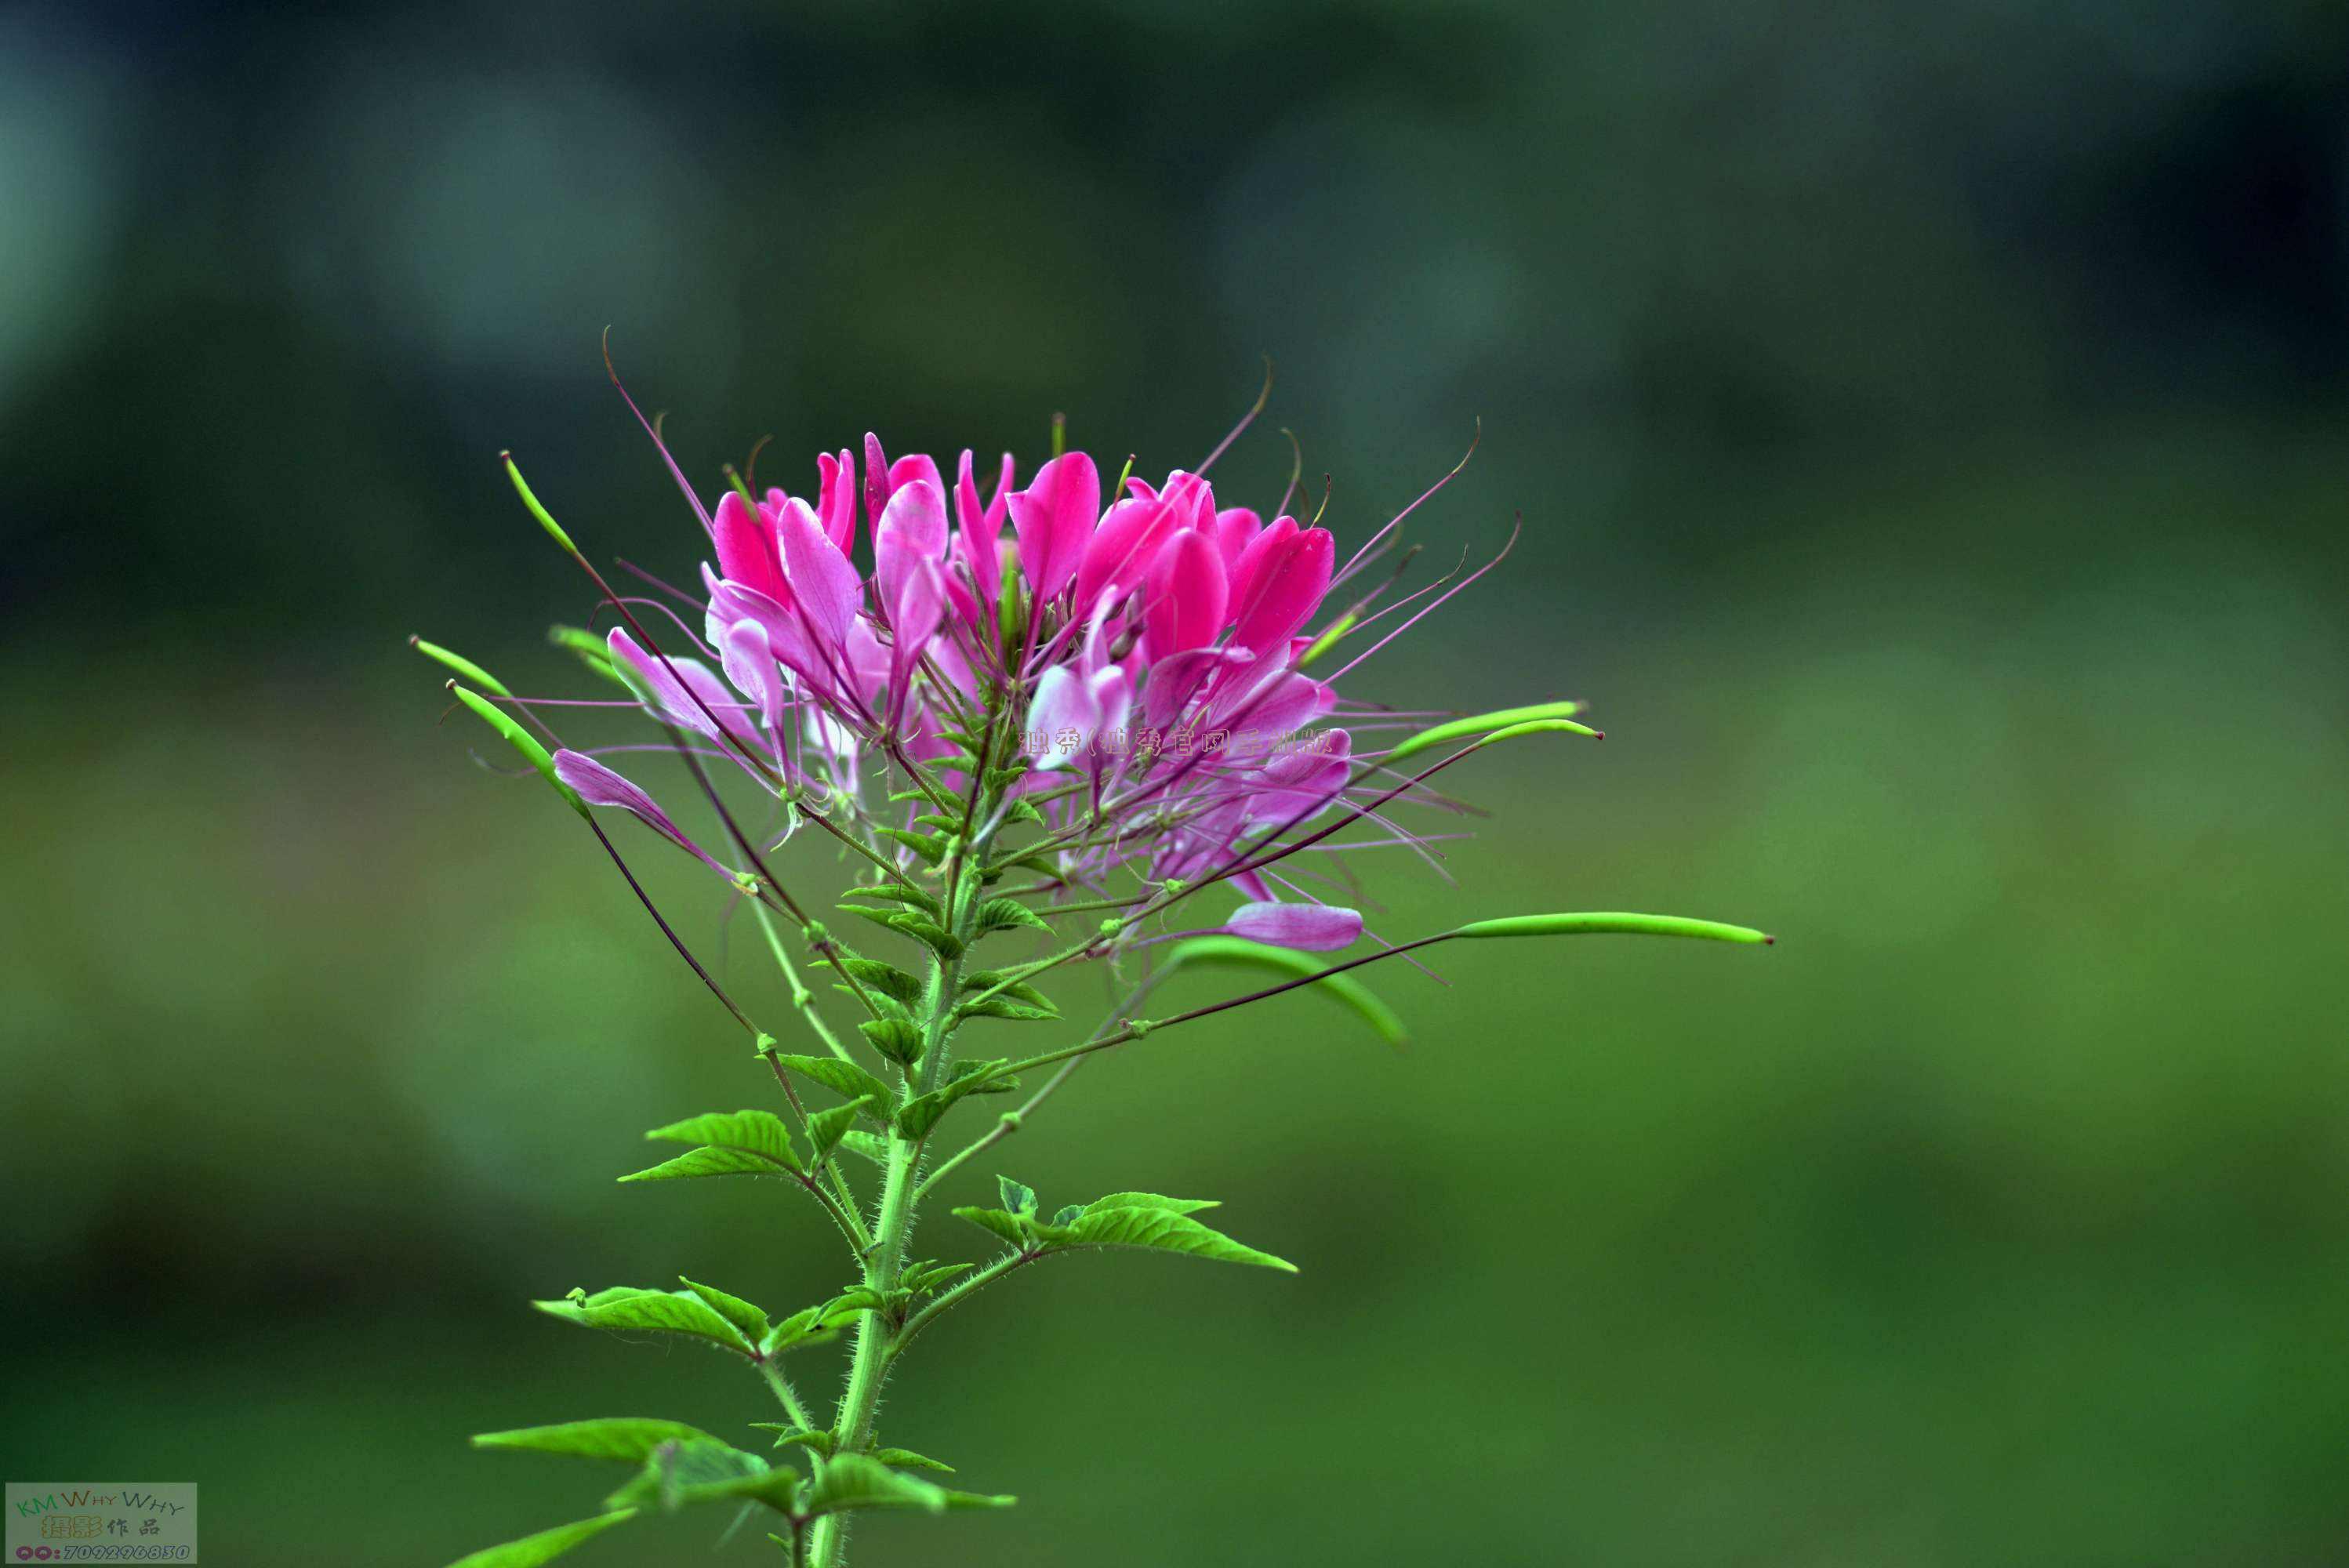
<point>521,740</point>
<point>545,521</point>
<point>1507,720</point>
<point>591,649</point>
<point>1612,923</point>
<point>461,663</point>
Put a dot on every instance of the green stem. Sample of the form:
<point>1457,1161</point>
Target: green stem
<point>784,1392</point>
<point>877,1332</point>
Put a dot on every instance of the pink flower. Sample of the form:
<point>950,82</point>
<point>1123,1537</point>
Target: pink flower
<point>1153,703</point>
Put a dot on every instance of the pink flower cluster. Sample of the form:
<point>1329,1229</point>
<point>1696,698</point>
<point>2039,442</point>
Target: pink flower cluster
<point>1154,614</point>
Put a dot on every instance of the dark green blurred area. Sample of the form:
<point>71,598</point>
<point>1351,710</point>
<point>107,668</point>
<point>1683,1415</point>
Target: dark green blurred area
<point>1929,426</point>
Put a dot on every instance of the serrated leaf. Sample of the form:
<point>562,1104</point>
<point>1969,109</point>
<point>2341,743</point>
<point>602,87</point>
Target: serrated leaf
<point>926,932</point>
<point>1005,1225</point>
<point>917,1116</point>
<point>858,1481</point>
<point>546,1545</point>
<point>1033,860</point>
<point>749,1318</point>
<point>844,1078</point>
<point>1017,1196</point>
<point>940,820</point>
<point>629,1310</point>
<point>898,893</point>
<point>928,846</point>
<point>707,1162</point>
<point>1238,953</point>
<point>678,1475</point>
<point>631,1438</point>
<point>887,978</point>
<point>1164,1230</point>
<point>1023,810</point>
<point>1009,915</point>
<point>906,1458</point>
<point>827,1128</point>
<point>759,1134</point>
<point>899,1039</point>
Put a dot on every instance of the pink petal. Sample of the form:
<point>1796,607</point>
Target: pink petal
<point>919,465</point>
<point>836,500</point>
<point>746,548</point>
<point>876,479</point>
<point>913,529</point>
<point>1287,590</point>
<point>1063,701</point>
<point>1235,530</point>
<point>823,581</point>
<point>1121,549</point>
<point>1311,927</point>
<point>599,786</point>
<point>1054,519</point>
<point>975,532</point>
<point>1183,595</point>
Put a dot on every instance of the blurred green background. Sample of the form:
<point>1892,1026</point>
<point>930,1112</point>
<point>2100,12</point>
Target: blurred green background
<point>1930,427</point>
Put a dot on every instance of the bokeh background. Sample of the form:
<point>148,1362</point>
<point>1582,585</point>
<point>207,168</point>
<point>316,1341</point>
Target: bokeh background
<point>1929,424</point>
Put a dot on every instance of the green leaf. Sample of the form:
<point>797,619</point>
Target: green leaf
<point>1067,1215</point>
<point>678,1474</point>
<point>1238,953</point>
<point>801,1327</point>
<point>1614,924</point>
<point>758,1133</point>
<point>629,1438</point>
<point>817,1439</point>
<point>1009,915</point>
<point>899,893</point>
<point>1480,724</point>
<point>546,1545</point>
<point>855,1299</point>
<point>922,1280</point>
<point>999,981</point>
<point>826,1128</point>
<point>1004,1004</point>
<point>977,1070</point>
<point>752,1320</point>
<point>917,1117</point>
<point>858,1481</point>
<point>929,846</point>
<point>887,978</point>
<point>899,1039</point>
<point>1164,1230</point>
<point>844,1078</point>
<point>1152,1200</point>
<point>873,1148</point>
<point>1017,1196</point>
<point>626,1309</point>
<point>906,1458</point>
<point>928,933</point>
<point>1005,1225</point>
